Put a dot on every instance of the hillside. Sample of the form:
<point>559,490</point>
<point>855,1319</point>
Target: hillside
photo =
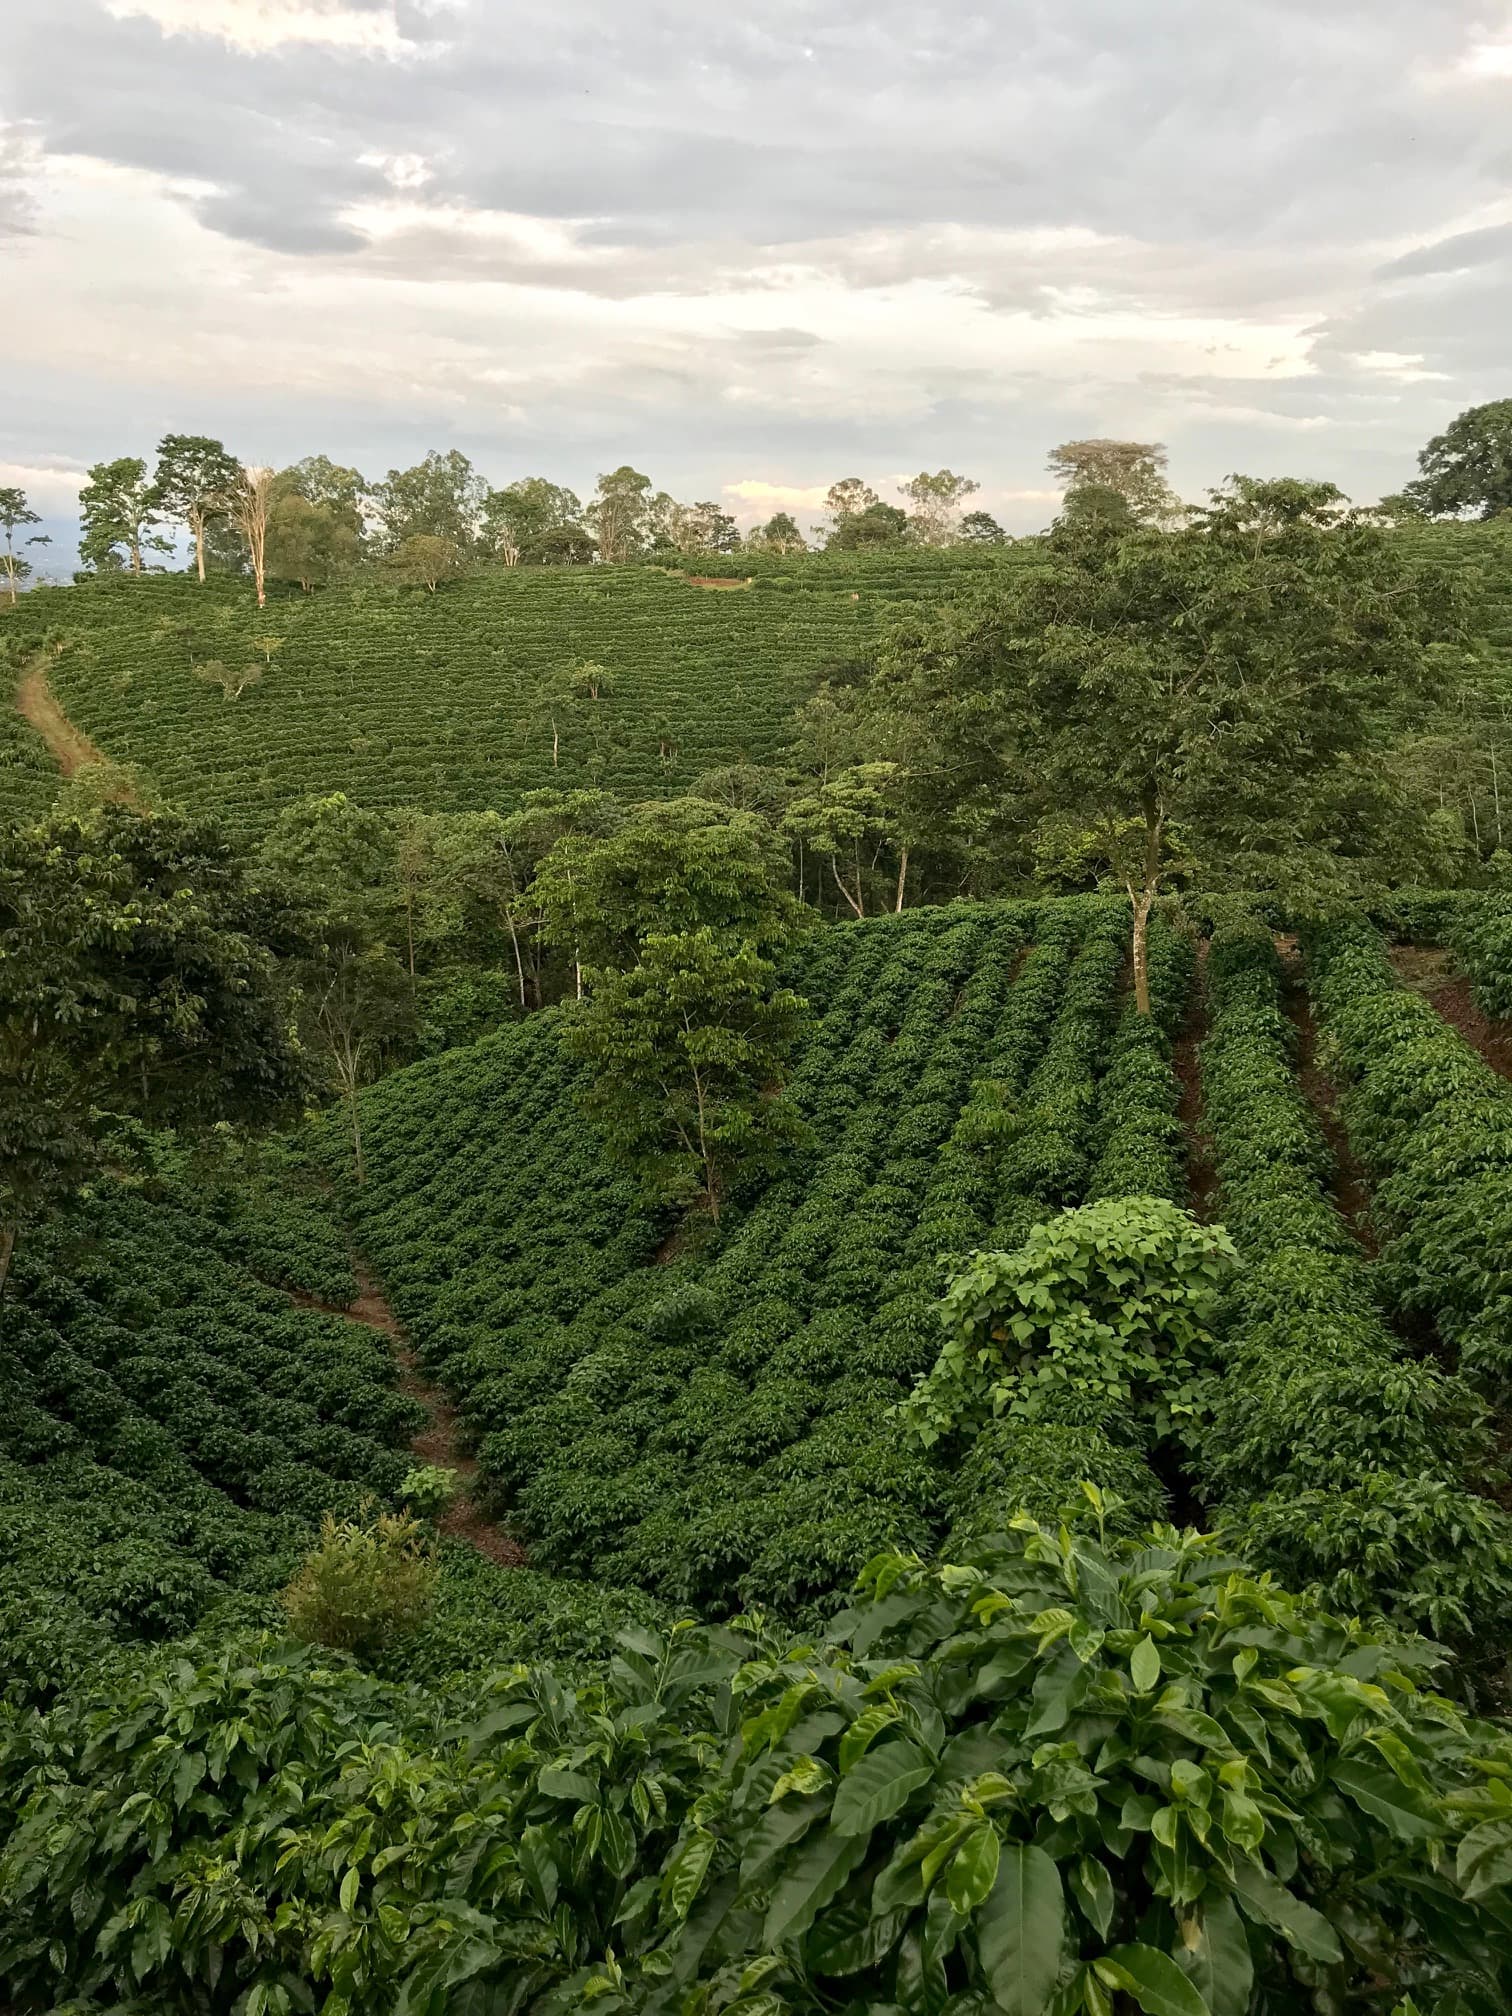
<point>709,1419</point>
<point>400,697</point>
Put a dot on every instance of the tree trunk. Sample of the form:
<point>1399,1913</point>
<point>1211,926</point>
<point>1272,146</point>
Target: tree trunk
<point>840,885</point>
<point>902,879</point>
<point>409,927</point>
<point>352,1106</point>
<point>197,526</point>
<point>7,1250</point>
<point>514,939</point>
<point>1142,905</point>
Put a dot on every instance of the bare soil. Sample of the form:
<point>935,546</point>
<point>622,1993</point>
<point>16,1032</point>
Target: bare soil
<point>715,581</point>
<point>440,1440</point>
<point>1429,971</point>
<point>1348,1189</point>
<point>69,747</point>
<point>1202,1177</point>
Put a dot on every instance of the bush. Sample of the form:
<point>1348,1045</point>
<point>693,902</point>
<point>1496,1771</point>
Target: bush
<point>1102,1311</point>
<point>427,1489</point>
<point>370,1581</point>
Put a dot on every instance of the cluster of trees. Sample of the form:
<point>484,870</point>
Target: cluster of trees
<point>434,521</point>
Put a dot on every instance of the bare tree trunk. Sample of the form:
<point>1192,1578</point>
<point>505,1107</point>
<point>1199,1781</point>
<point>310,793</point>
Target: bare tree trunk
<point>356,1112</point>
<point>514,939</point>
<point>1142,905</point>
<point>840,885</point>
<point>1495,788</point>
<point>902,879</point>
<point>197,526</point>
<point>554,739</point>
<point>249,514</point>
<point>8,1237</point>
<point>409,927</point>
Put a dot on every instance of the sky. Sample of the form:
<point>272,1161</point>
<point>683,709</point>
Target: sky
<point>753,250</point>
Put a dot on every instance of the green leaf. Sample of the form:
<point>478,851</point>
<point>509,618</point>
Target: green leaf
<point>1153,1979</point>
<point>1144,1665</point>
<point>1093,1887</point>
<point>1265,1900</point>
<point>850,1938</point>
<point>349,1887</point>
<point>818,1874</point>
<point>1380,1793</point>
<point>557,1783</point>
<point>685,1873</point>
<point>1214,1955</point>
<point>1484,1861</point>
<point>858,1737</point>
<point>877,1786</point>
<point>1020,1930</point>
<point>973,1870</point>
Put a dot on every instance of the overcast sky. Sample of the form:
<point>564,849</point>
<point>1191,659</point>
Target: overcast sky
<point>751,250</point>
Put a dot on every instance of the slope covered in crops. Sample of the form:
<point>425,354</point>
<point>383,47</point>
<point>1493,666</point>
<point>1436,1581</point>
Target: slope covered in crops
<point>400,697</point>
<point>706,1415</point>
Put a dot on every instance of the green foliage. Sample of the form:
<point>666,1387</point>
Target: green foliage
<point>369,1582</point>
<point>1052,1771</point>
<point>428,1489</point>
<point>1101,1314</point>
<point>1468,468</point>
<point>1339,1458</point>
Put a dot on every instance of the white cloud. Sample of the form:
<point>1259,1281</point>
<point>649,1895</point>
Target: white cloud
<point>259,26</point>
<point>50,486</point>
<point>1489,59</point>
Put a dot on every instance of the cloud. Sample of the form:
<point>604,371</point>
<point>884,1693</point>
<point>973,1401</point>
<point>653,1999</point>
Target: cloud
<point>261,26</point>
<point>1453,254</point>
<point>1489,59</point>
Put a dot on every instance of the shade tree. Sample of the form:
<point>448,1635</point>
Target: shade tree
<point>119,512</point>
<point>15,513</point>
<point>935,505</point>
<point>442,497</point>
<point>192,485</point>
<point>1135,470</point>
<point>1467,470</point>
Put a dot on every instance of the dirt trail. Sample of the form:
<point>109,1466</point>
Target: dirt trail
<point>69,747</point>
<point>439,1441</point>
<point>1202,1177</point>
<point>1348,1190</point>
<point>1430,972</point>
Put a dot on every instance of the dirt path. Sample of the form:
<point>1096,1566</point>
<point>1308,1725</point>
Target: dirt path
<point>69,747</point>
<point>1202,1177</point>
<point>1430,972</point>
<point>1348,1189</point>
<point>439,1441</point>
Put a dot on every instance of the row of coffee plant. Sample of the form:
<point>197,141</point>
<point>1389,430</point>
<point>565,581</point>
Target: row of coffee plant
<point>627,678</point>
<point>706,1414</point>
<point>1343,1454</point>
<point>1432,1122</point>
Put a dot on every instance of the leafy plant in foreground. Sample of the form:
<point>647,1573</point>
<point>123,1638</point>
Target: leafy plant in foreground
<point>369,1581</point>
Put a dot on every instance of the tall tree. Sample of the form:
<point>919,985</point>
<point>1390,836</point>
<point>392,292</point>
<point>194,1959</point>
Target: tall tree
<point>136,977</point>
<point>14,513</point>
<point>118,510</point>
<point>425,561</point>
<point>441,497</point>
<point>519,519</point>
<point>336,863</point>
<point>844,499</point>
<point>1468,468</point>
<point>309,543</point>
<point>193,484</point>
<point>1134,469</point>
<point>780,534</point>
<point>935,504</point>
<point>248,507</point>
<point>619,513</point>
<point>1214,700</point>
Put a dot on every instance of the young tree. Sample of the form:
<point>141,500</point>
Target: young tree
<point>1214,699</point>
<point>936,504</point>
<point>193,483</point>
<point>852,817</point>
<point>1134,469</point>
<point>425,562</point>
<point>232,681</point>
<point>1468,468</point>
<point>118,509</point>
<point>618,515</point>
<point>15,512</point>
<point>980,528</point>
<point>136,978</point>
<point>688,1047</point>
<point>248,506</point>
<point>518,520</point>
<point>441,497</point>
<point>874,527</point>
<point>334,862</point>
